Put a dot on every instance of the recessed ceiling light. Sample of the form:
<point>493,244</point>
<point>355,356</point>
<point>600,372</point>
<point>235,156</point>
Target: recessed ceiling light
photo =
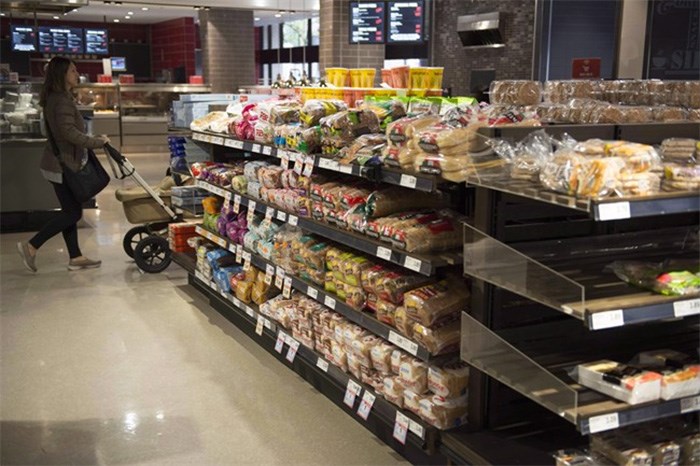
<point>2,14</point>
<point>130,13</point>
<point>257,19</point>
<point>145,8</point>
<point>116,20</point>
<point>127,17</point>
<point>277,15</point>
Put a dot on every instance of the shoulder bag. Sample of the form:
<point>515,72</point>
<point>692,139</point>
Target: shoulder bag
<point>85,183</point>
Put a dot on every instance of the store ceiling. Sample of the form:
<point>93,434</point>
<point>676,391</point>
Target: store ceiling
<point>156,11</point>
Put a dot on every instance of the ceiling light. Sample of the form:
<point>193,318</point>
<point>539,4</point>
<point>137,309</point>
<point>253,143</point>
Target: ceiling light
<point>72,1</point>
<point>145,8</point>
<point>257,19</point>
<point>130,13</point>
<point>127,17</point>
<point>116,20</point>
<point>56,17</point>
<point>2,14</point>
<point>277,15</point>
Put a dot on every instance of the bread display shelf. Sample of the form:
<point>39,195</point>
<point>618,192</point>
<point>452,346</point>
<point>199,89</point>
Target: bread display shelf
<point>572,278</point>
<point>421,263</point>
<point>278,341</point>
<point>617,208</point>
<point>547,383</point>
<point>411,180</point>
<point>331,301</point>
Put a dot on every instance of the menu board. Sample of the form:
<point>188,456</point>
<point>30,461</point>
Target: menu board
<point>23,39</point>
<point>96,41</point>
<point>61,40</point>
<point>406,21</point>
<point>367,22</point>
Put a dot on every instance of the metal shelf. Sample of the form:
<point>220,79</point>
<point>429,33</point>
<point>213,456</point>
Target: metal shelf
<point>331,301</point>
<point>422,263</point>
<point>599,209</point>
<point>548,384</point>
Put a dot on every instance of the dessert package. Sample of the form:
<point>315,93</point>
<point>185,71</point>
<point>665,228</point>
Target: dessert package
<point>621,450</point>
<point>620,381</point>
<point>673,278</point>
<point>680,374</point>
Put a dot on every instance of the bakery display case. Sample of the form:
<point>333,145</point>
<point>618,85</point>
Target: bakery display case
<point>103,100</point>
<point>21,114</point>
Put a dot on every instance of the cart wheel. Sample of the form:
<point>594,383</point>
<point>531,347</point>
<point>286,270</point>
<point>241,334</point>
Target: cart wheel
<point>132,238</point>
<point>152,254</point>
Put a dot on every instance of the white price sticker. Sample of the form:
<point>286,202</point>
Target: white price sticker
<point>232,248</point>
<point>250,216</point>
<point>197,137</point>
<point>408,181</point>
<point>292,220</point>
<point>260,326</point>
<point>299,166</point>
<point>287,290</point>
<point>608,319</point>
<point>227,200</point>
<point>239,253</point>
<point>403,342</point>
<point>285,161</point>
<point>246,261</point>
<point>384,253</point>
<point>325,163</point>
<point>347,169</point>
<point>401,427</point>
<point>248,310</point>
<point>614,211</point>
<point>219,141</point>
<point>269,274</point>
<point>412,263</point>
<point>251,206</point>
<point>330,302</point>
<point>351,393</point>
<point>293,348</point>
<point>335,166</point>
<point>603,422</point>
<point>309,166</point>
<point>281,216</point>
<point>689,405</point>
<point>269,214</point>
<point>417,429</point>
<point>281,338</point>
<point>200,276</point>
<point>686,308</point>
<point>267,150</point>
<point>279,280</point>
<point>255,148</point>
<point>322,364</point>
<point>237,302</point>
<point>312,292</point>
<point>366,405</point>
<point>236,203</point>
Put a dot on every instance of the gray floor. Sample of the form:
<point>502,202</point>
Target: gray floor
<point>112,366</point>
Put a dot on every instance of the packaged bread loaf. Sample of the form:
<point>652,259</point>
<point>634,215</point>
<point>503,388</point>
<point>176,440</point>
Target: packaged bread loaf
<point>387,201</point>
<point>448,381</point>
<point>380,355</point>
<point>393,390</point>
<point>515,92</point>
<point>638,157</point>
<point>362,348</point>
<point>680,150</point>
<point>428,304</point>
<point>681,178</point>
<point>440,234</point>
<point>444,413</point>
<point>620,449</point>
<point>402,322</point>
<point>391,284</point>
<point>439,338</point>
<point>398,357</point>
<point>411,400</point>
<point>313,110</point>
<point>401,131</point>
<point>385,311</point>
<point>414,375</point>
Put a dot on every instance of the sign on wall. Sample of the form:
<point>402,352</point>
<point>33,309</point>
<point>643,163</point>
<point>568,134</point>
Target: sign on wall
<point>585,68</point>
<point>673,40</point>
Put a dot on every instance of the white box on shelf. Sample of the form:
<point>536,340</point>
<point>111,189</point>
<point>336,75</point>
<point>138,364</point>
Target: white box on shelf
<point>619,381</point>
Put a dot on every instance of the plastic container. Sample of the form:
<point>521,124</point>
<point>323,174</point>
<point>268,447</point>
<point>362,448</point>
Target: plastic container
<point>419,78</point>
<point>367,76</point>
<point>387,77</point>
<point>400,76</point>
<point>338,76</point>
<point>356,78</point>
<point>436,74</point>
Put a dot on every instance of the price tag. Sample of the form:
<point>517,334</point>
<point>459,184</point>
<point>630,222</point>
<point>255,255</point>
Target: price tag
<point>260,326</point>
<point>267,150</point>
<point>232,248</point>
<point>408,181</point>
<point>196,136</point>
<point>279,280</point>
<point>238,144</point>
<point>227,200</point>
<point>292,220</point>
<point>322,364</point>
<point>281,337</point>
<point>401,427</point>
<point>690,404</point>
<point>281,216</point>
<point>269,273</point>
<point>417,429</point>
<point>686,308</point>
<point>249,311</point>
<point>403,342</point>
<point>287,290</point>
<point>412,263</point>
<point>237,302</point>
<point>608,319</point>
<point>366,405</point>
<point>347,169</point>
<point>384,253</point>
<point>252,205</point>
<point>239,253</point>
<point>246,261</point>
<point>285,161</point>
<point>614,211</point>
<point>251,211</point>
<point>236,203</point>
<point>200,276</point>
<point>269,214</point>
<point>603,423</point>
<point>299,165</point>
<point>312,293</point>
<point>330,302</point>
<point>293,348</point>
<point>255,148</point>
<point>309,166</point>
<point>219,141</point>
<point>325,163</point>
<point>351,393</point>
<point>335,166</point>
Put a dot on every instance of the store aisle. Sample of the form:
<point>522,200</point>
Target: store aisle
<point>111,366</point>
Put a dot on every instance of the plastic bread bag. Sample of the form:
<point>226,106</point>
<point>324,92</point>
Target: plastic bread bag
<point>638,184</point>
<point>673,278</point>
<point>263,132</point>
<point>562,91</point>
<point>666,114</point>
<point>385,312</point>
<point>212,205</point>
<point>460,115</point>
<point>598,177</point>
<point>349,124</point>
<point>686,177</point>
<point>354,296</point>
<point>285,112</point>
<point>620,449</point>
<point>362,349</point>
<point>393,390</point>
<point>392,285</point>
<point>515,92</point>
<point>441,234</point>
<point>390,200</point>
<point>428,304</point>
<point>449,381</point>
<point>638,157</point>
<point>398,357</point>
<point>340,356</point>
<point>203,124</point>
<point>356,152</point>
<point>313,110</point>
<point>403,322</point>
<point>560,174</point>
<point>270,177</point>
<point>251,169</point>
<point>444,413</point>
<point>451,141</point>
<point>352,269</point>
<point>411,401</point>
<point>387,110</point>
<point>355,218</point>
<point>680,150</point>
<point>414,375</point>
<point>353,365</point>
<point>315,256</point>
<point>380,355</point>
<point>309,140</point>
<point>440,338</point>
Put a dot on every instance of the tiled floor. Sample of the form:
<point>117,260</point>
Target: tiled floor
<point>112,366</point>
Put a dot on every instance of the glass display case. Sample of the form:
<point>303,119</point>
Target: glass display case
<point>20,111</point>
<point>103,100</point>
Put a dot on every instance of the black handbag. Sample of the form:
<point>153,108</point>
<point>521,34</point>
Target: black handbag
<point>87,182</point>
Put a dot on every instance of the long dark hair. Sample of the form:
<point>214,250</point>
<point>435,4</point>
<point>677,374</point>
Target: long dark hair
<point>55,78</point>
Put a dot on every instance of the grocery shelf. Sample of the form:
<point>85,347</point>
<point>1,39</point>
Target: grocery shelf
<point>185,260</point>
<point>330,300</point>
<point>425,264</point>
<point>411,180</point>
<point>572,278</point>
<point>602,209</point>
<point>311,366</point>
<point>548,383</point>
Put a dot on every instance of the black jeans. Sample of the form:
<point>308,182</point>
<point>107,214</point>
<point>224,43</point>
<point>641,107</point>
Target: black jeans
<point>66,222</point>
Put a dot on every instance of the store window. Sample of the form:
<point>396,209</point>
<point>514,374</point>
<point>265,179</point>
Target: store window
<point>295,33</point>
<point>315,30</point>
<point>274,37</point>
<point>265,37</point>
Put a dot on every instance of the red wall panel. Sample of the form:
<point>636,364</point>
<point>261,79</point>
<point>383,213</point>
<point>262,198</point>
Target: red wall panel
<point>172,45</point>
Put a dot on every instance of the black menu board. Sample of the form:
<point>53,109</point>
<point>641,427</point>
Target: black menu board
<point>367,22</point>
<point>406,21</point>
<point>61,40</point>
<point>96,41</point>
<point>23,39</point>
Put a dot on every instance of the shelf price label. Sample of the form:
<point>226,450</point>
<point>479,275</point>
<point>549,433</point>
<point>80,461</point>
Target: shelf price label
<point>366,405</point>
<point>417,429</point>
<point>219,141</point>
<point>690,404</point>
<point>248,310</point>
<point>408,181</point>
<point>281,338</point>
<point>309,166</point>
<point>299,165</point>
<point>312,292</point>
<point>347,169</point>
<point>323,162</point>
<point>292,220</point>
<point>269,273</point>
<point>603,422</point>
<point>322,364</point>
<point>267,150</point>
<point>246,260</point>
<point>284,160</point>
<point>287,289</point>
<point>608,319</point>
<point>255,148</point>
<point>686,308</point>
<point>197,136</point>
<point>403,342</point>
<point>281,216</point>
<point>412,263</point>
<point>200,276</point>
<point>351,393</point>
<point>614,211</point>
<point>384,253</point>
<point>227,200</point>
<point>401,427</point>
<point>261,324</point>
<point>330,302</point>
<point>239,253</point>
<point>236,203</point>
<point>232,248</point>
<point>292,352</point>
<point>279,280</point>
<point>269,214</point>
<point>235,143</point>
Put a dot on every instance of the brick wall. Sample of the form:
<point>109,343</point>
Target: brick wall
<point>172,45</point>
<point>335,49</point>
<point>514,61</point>
<point>228,48</point>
